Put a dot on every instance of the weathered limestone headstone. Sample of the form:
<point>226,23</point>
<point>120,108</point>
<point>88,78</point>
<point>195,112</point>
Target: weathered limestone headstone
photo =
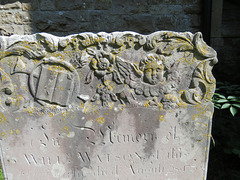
<point>106,106</point>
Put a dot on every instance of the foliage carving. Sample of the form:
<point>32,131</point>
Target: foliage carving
<point>163,69</point>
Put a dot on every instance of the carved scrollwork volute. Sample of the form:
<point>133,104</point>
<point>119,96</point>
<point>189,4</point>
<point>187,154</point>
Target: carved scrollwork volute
<point>203,83</point>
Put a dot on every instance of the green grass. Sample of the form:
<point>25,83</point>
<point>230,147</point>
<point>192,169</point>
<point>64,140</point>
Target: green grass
<point>1,175</point>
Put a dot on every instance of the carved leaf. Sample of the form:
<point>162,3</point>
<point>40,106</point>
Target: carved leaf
<point>113,97</point>
<point>117,78</point>
<point>124,69</point>
<point>89,77</point>
<point>202,47</point>
<point>180,45</point>
<point>91,51</point>
<point>48,41</point>
<point>31,52</point>
<point>184,47</point>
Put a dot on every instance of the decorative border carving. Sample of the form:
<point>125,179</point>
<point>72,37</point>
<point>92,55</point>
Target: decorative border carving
<point>156,76</point>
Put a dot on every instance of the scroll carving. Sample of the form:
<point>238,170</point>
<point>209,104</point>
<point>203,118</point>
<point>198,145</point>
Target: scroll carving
<point>164,69</point>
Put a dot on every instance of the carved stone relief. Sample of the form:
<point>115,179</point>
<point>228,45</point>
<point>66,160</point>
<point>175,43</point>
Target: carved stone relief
<point>166,69</point>
<point>101,91</point>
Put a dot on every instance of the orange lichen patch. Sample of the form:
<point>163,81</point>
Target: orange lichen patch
<point>66,130</point>
<point>181,103</point>
<point>5,53</point>
<point>30,110</point>
<point>168,96</point>
<point>11,64</point>
<point>160,106</point>
<point>25,88</point>
<point>195,116</point>
<point>171,97</point>
<point>90,108</point>
<point>4,134</point>
<point>18,99</point>
<point>209,92</point>
<point>110,104</point>
<point>60,87</point>
<point>11,131</point>
<point>146,104</point>
<point>40,113</point>
<point>5,76</point>
<point>109,84</point>
<point>65,114</point>
<point>35,61</point>
<point>81,75</point>
<point>81,105</point>
<point>101,120</point>
<point>17,131</point>
<point>161,117</point>
<point>59,56</point>
<point>75,42</point>
<point>99,39</point>
<point>202,109</point>
<point>86,42</point>
<point>51,114</point>
<point>121,106</point>
<point>56,69</point>
<point>2,118</point>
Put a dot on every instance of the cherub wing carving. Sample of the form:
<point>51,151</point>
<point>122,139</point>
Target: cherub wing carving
<point>145,77</point>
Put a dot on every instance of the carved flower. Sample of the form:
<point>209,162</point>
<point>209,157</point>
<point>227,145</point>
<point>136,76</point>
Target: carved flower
<point>104,96</point>
<point>101,64</point>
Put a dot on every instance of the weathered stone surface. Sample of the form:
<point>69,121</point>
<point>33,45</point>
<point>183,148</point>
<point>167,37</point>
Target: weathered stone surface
<point>59,21</point>
<point>143,23</point>
<point>165,22</point>
<point>110,24</point>
<point>106,106</point>
<point>6,17</point>
<point>140,16</point>
<point>4,31</point>
<point>8,5</point>
<point>28,29</point>
<point>9,30</point>
<point>140,6</point>
<point>29,5</point>
<point>120,7</point>
<point>46,5</point>
<point>22,17</point>
<point>73,4</point>
<point>165,9</point>
<point>102,4</point>
<point>192,9</point>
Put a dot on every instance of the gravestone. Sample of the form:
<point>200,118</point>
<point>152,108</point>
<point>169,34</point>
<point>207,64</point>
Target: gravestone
<point>104,106</point>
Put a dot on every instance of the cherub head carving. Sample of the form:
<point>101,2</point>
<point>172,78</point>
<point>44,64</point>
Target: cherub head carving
<point>152,68</point>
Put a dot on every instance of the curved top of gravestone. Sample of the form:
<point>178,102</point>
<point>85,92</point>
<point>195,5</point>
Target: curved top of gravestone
<point>88,71</point>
